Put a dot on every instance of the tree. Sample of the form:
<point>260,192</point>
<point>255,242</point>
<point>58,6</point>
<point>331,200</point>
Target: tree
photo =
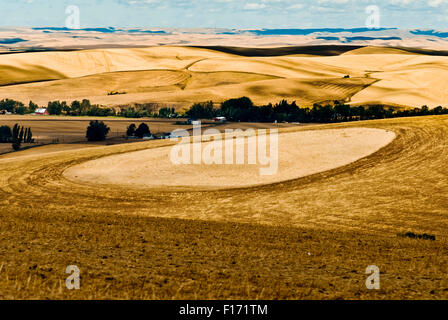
<point>240,109</point>
<point>20,109</point>
<point>65,108</point>
<point>5,134</point>
<point>16,137</point>
<point>85,106</point>
<point>54,107</point>
<point>75,108</point>
<point>28,136</point>
<point>7,104</point>
<point>11,105</point>
<point>97,131</point>
<point>201,111</point>
<point>142,130</point>
<point>32,107</point>
<point>131,130</point>
<point>21,135</point>
<point>167,113</point>
<point>342,111</point>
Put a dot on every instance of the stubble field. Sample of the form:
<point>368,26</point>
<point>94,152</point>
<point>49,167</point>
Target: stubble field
<point>306,238</point>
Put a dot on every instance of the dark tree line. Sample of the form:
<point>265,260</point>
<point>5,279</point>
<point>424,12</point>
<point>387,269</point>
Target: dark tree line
<point>17,107</point>
<point>77,108</point>
<point>17,135</point>
<point>242,109</point>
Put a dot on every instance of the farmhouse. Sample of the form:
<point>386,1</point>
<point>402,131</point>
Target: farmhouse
<point>41,112</point>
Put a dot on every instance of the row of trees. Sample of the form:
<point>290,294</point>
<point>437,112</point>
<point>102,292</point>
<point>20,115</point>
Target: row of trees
<point>243,109</point>
<point>77,108</point>
<point>17,135</point>
<point>85,108</point>
<point>17,107</point>
<point>147,111</point>
<point>96,131</point>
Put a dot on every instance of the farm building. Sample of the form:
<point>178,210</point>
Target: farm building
<point>41,112</point>
<point>220,119</point>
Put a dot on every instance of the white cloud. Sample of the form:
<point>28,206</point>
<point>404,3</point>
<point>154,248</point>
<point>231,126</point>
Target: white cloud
<point>254,6</point>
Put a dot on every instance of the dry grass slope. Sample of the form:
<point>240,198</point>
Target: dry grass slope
<point>180,76</point>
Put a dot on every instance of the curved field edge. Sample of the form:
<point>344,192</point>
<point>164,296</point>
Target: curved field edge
<point>316,151</point>
<point>304,239</point>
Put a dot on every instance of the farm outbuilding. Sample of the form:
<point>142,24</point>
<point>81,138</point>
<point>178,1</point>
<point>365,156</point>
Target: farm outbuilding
<point>220,119</point>
<point>41,112</point>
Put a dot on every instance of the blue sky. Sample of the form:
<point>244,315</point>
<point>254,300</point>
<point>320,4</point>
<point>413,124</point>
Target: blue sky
<point>240,14</point>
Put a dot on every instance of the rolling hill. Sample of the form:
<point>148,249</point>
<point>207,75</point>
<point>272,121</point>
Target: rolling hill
<point>180,76</point>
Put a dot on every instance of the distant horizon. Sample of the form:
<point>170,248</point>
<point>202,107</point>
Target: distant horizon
<point>32,38</point>
<point>284,30</point>
<point>281,31</point>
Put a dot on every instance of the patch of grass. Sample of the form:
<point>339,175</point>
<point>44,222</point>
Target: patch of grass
<point>413,235</point>
<point>113,93</point>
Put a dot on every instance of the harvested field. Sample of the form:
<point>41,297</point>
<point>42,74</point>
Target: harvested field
<point>299,154</point>
<point>307,238</point>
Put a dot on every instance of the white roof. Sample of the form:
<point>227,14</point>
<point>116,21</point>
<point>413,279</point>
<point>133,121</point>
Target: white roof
<point>40,110</point>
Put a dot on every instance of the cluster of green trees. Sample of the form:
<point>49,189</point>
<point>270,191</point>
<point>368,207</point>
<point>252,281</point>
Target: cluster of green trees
<point>76,108</point>
<point>140,132</point>
<point>132,112</point>
<point>17,107</point>
<point>17,135</point>
<point>243,109</point>
<point>79,108</point>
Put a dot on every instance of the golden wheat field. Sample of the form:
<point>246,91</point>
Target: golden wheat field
<point>305,236</point>
<point>180,76</point>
